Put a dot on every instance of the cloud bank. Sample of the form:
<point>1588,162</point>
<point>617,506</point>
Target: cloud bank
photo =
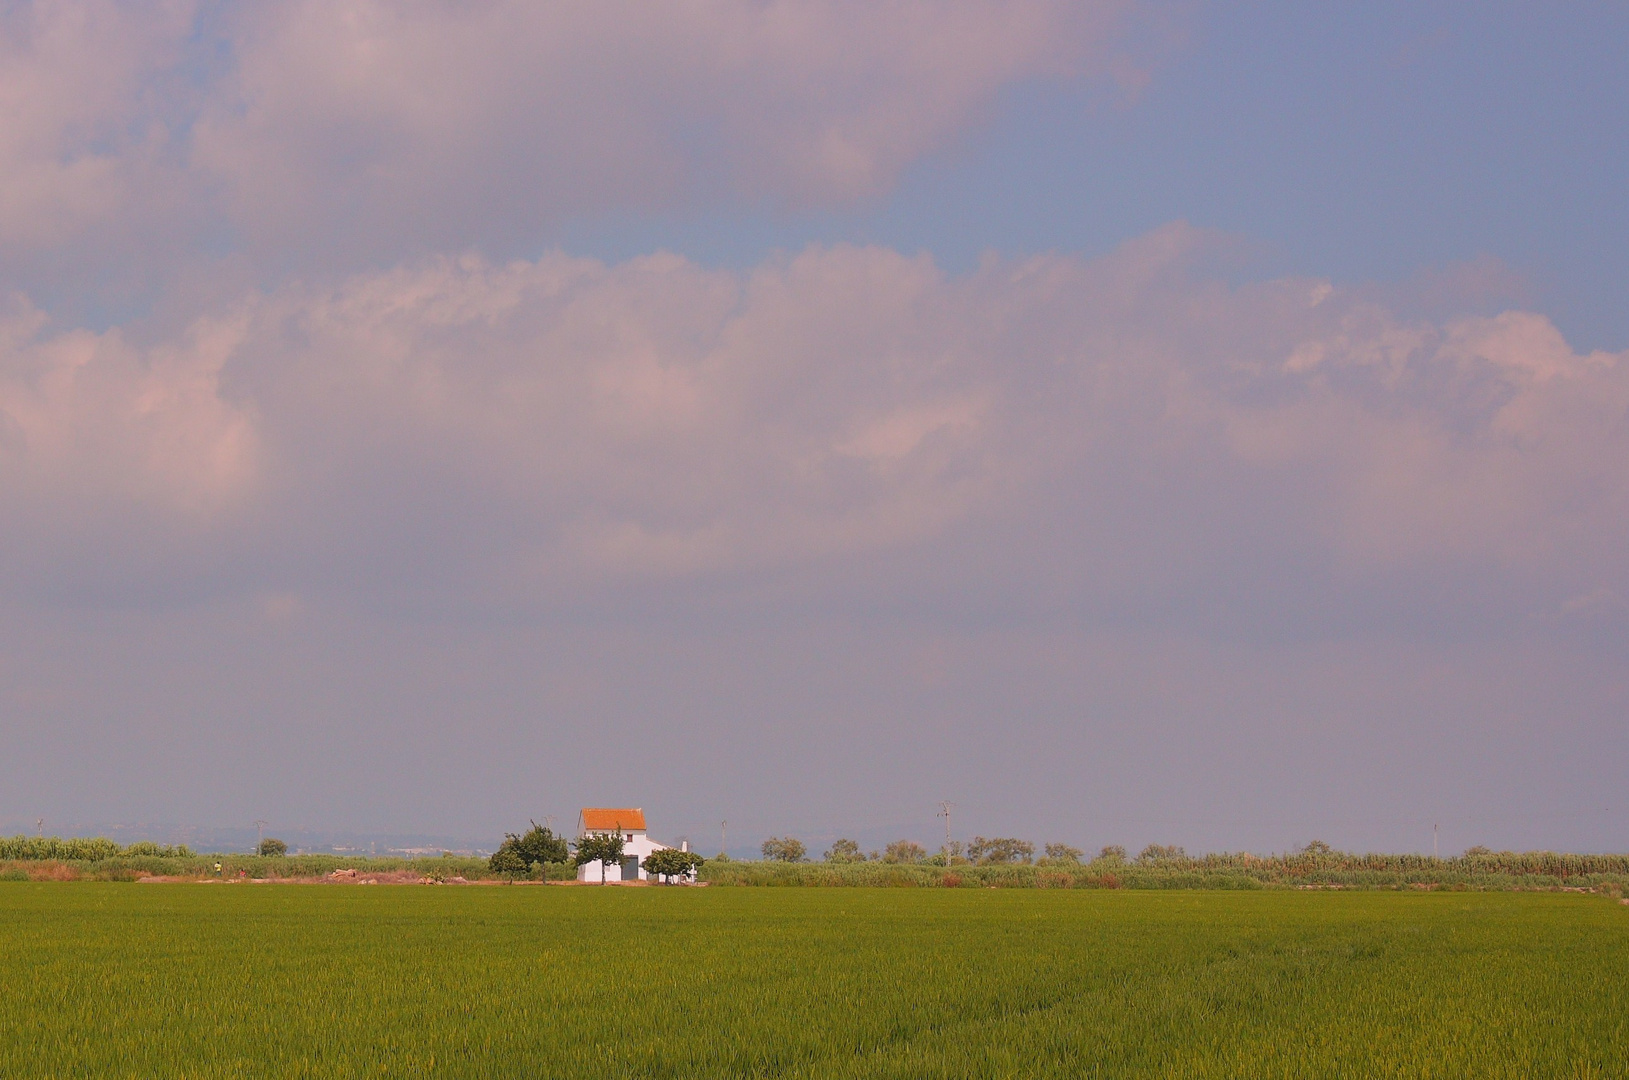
<point>1066,431</point>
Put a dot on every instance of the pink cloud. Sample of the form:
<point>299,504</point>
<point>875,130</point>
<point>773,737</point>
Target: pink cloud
<point>339,134</point>
<point>84,125</point>
<point>1120,426</point>
<point>449,121</point>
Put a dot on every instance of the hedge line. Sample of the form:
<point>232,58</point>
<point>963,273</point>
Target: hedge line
<point>1187,874</point>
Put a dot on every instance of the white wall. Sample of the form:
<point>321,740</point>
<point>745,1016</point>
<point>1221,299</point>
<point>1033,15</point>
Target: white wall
<point>641,845</point>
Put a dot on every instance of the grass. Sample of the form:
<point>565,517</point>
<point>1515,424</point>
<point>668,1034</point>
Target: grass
<point>317,981</point>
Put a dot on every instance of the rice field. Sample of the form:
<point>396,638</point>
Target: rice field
<point>227,980</point>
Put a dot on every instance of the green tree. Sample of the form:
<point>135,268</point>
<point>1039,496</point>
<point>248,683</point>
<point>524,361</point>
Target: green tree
<point>999,850</point>
<point>518,854</point>
<point>904,851</point>
<point>540,845</point>
<point>1063,853</point>
<point>273,846</point>
<point>845,851</point>
<point>603,848</point>
<point>784,849</point>
<point>1161,853</point>
<point>672,863</point>
<point>507,861</point>
<point>1112,853</point>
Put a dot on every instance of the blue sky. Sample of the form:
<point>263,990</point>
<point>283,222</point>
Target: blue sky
<point>1359,142</point>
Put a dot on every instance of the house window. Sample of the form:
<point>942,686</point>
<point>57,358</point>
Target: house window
<point>630,838</point>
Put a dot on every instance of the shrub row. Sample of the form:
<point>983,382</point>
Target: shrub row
<point>1111,874</point>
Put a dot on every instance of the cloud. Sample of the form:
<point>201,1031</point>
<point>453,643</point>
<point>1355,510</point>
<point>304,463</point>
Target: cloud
<point>81,87</point>
<point>847,421</point>
<point>505,114</point>
<point>347,134</point>
<point>115,458</point>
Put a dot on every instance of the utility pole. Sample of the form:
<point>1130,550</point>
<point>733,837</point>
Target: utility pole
<point>39,827</point>
<point>944,812</point>
<point>723,837</point>
<point>548,822</point>
<point>260,835</point>
<point>1433,841</point>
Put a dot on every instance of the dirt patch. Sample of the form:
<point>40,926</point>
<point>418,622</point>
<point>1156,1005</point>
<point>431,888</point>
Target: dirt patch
<point>53,872</point>
<point>348,876</point>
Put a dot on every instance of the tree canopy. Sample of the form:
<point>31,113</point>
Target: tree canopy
<point>844,851</point>
<point>784,849</point>
<point>518,854</point>
<point>904,851</point>
<point>998,850</point>
<point>671,863</point>
<point>603,848</point>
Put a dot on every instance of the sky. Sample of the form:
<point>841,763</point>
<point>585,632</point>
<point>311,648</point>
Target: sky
<point>1124,421</point>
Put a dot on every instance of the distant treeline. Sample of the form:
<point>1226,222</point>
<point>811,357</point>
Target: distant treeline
<point>83,849</point>
<point>1000,863</point>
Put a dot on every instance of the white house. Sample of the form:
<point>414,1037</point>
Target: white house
<point>636,844</point>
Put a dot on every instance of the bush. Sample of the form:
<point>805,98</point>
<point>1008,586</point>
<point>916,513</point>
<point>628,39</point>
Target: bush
<point>784,849</point>
<point>1063,853</point>
<point>271,847</point>
<point>1113,853</point>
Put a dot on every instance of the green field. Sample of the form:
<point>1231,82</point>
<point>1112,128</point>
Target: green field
<point>106,979</point>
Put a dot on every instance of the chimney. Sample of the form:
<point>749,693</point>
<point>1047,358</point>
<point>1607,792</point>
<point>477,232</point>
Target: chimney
<point>684,845</point>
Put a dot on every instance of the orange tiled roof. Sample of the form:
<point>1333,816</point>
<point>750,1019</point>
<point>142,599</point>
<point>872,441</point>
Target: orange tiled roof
<point>603,820</point>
